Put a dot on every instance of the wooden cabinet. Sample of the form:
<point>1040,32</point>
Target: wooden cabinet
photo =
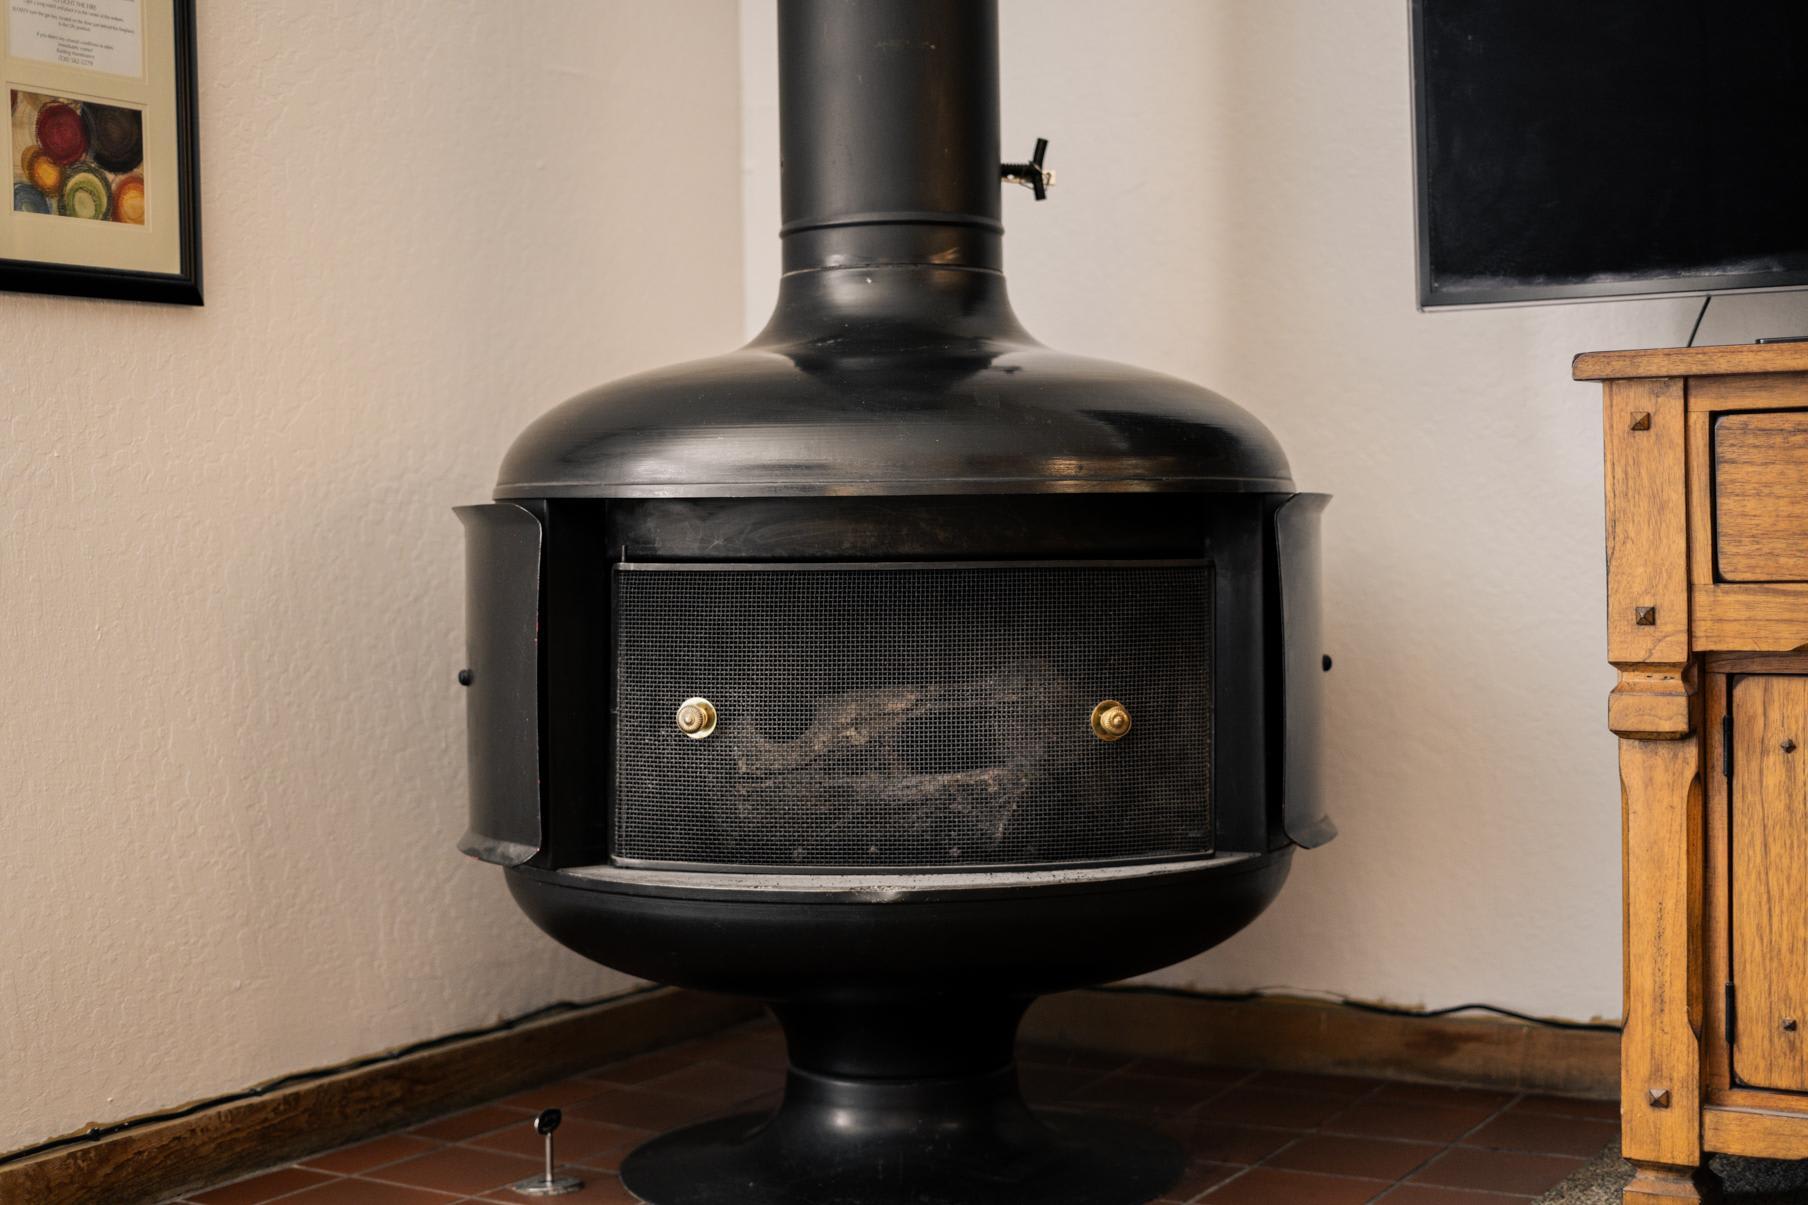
<point>1707,622</point>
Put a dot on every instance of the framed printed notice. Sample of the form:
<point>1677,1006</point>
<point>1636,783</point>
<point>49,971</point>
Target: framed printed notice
<point>101,147</point>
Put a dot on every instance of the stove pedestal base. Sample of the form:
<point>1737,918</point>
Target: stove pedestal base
<point>967,1141</point>
<point>900,1010</point>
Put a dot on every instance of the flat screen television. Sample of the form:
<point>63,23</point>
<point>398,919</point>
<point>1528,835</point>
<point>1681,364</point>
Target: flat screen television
<point>1576,149</point>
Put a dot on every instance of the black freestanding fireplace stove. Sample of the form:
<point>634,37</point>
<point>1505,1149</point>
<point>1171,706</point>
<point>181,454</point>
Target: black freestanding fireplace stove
<point>895,669</point>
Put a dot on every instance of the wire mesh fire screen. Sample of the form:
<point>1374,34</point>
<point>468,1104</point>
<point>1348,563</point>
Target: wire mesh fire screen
<point>882,715</point>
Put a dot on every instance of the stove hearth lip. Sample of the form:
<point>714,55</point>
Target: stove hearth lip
<point>904,886</point>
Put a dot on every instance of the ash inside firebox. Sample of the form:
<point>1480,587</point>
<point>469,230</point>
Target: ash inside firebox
<point>913,717</point>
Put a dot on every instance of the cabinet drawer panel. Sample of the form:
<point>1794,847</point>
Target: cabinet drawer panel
<point>1761,496</point>
<point>1770,880</point>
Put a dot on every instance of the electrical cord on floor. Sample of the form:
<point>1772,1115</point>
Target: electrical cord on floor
<point>96,1133</point>
<point>1386,1010</point>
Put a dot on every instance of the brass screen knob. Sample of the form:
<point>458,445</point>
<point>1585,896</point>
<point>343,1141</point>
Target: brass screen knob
<point>696,718</point>
<point>1110,721</point>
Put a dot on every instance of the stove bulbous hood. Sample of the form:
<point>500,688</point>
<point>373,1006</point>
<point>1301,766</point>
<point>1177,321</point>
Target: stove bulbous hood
<point>893,362</point>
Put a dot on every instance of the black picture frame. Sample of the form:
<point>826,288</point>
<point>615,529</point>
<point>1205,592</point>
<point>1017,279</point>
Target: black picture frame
<point>182,287</point>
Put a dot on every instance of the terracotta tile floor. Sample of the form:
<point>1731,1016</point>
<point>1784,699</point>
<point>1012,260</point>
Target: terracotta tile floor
<point>1253,1137</point>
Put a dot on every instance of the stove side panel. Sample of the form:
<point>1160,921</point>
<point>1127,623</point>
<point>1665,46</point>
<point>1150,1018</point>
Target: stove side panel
<point>501,680</point>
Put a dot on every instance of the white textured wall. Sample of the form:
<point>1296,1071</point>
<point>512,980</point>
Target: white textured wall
<point>1235,206</point>
<point>230,579</point>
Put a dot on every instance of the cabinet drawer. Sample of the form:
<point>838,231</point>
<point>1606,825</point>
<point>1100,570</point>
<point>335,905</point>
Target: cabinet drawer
<point>1769,840</point>
<point>1761,496</point>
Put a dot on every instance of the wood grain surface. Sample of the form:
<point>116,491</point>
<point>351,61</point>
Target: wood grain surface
<point>1761,495</point>
<point>1647,527</point>
<point>1660,1053</point>
<point>1756,1132</point>
<point>1691,361</point>
<point>1769,880</point>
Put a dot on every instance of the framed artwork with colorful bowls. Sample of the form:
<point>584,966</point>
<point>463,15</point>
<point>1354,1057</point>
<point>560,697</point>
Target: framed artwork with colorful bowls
<point>101,142</point>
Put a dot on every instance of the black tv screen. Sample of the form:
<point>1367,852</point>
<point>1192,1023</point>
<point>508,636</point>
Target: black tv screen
<point>1570,149</point>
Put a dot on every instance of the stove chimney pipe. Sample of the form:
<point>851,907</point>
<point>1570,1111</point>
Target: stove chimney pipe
<point>888,116</point>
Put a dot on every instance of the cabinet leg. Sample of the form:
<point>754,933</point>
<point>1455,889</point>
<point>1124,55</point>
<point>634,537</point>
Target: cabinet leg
<point>1669,1184</point>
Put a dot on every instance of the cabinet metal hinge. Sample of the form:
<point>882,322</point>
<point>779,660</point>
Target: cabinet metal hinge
<point>1726,743</point>
<point>1732,1014</point>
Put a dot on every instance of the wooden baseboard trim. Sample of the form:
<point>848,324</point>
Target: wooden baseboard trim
<point>1287,1034</point>
<point>157,1161</point>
